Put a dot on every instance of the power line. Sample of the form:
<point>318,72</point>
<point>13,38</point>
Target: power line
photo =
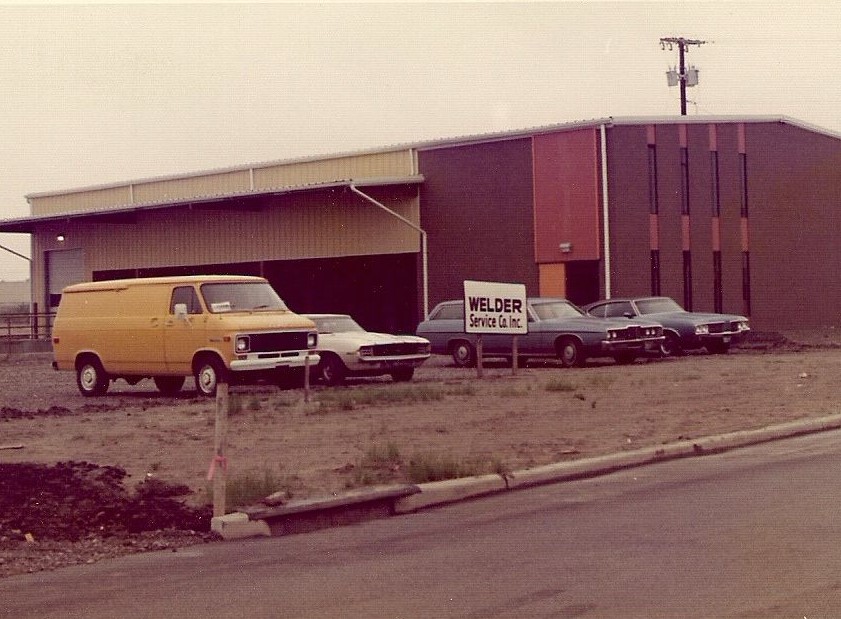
<point>681,76</point>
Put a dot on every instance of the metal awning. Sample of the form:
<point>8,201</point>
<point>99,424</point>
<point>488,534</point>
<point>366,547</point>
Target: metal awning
<point>125,212</point>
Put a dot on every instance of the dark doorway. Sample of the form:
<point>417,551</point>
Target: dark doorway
<point>380,292</point>
<point>582,281</point>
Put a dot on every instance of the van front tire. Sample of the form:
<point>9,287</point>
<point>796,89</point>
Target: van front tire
<point>91,378</point>
<point>209,372</point>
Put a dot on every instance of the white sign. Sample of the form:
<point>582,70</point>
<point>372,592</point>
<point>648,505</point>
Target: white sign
<point>493,307</point>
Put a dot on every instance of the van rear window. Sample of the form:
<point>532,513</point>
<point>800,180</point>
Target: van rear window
<point>241,297</point>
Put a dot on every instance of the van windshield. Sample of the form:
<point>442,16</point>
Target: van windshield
<point>241,297</point>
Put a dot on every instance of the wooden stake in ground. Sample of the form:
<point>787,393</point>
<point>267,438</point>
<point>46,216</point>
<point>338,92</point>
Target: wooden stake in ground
<point>514,354</point>
<point>479,354</point>
<point>307,378</point>
<point>219,466</point>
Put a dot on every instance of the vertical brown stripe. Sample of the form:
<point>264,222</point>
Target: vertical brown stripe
<point>654,231</point>
<point>682,136</point>
<point>741,133</point>
<point>716,234</point>
<point>651,134</point>
<point>713,137</point>
<point>684,232</point>
<point>745,234</point>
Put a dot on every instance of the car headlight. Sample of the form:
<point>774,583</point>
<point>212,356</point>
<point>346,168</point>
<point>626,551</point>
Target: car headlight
<point>243,343</point>
<point>312,340</point>
<point>743,325</point>
<point>426,349</point>
<point>702,330</point>
<point>612,335</point>
<point>366,351</point>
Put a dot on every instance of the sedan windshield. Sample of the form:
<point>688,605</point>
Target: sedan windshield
<point>336,324</point>
<point>241,297</point>
<point>556,309</point>
<point>658,306</point>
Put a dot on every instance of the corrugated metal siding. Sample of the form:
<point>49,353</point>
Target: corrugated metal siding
<point>91,200</point>
<point>371,165</point>
<point>196,186</point>
<point>292,174</point>
<point>327,224</point>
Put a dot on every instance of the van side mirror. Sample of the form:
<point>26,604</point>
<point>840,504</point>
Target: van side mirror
<point>181,311</point>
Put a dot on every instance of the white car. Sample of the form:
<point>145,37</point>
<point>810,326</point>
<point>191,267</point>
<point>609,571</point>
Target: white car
<point>346,349</point>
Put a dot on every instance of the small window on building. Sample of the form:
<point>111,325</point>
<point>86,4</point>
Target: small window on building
<point>186,295</point>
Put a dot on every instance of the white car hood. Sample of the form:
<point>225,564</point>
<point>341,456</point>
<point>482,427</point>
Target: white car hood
<point>367,338</point>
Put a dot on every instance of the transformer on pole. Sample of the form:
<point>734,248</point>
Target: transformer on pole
<point>681,75</point>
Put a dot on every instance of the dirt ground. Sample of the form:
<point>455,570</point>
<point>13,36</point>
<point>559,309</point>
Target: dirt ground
<point>153,451</point>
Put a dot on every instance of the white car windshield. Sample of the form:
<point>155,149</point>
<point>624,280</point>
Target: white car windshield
<point>658,306</point>
<point>241,297</point>
<point>556,309</point>
<point>336,324</point>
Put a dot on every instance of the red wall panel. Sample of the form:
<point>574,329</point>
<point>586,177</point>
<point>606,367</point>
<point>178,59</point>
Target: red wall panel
<point>566,195</point>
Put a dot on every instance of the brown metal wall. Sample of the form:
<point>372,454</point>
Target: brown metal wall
<point>478,213</point>
<point>627,156</point>
<point>794,190</point>
<point>630,206</point>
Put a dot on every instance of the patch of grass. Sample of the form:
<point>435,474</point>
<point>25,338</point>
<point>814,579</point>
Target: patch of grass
<point>466,389</point>
<point>380,464</point>
<point>424,468</point>
<point>601,381</point>
<point>511,391</point>
<point>560,385</point>
<point>252,486</point>
<point>383,463</point>
<point>350,399</point>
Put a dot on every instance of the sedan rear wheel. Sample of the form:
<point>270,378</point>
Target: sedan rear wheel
<point>570,352</point>
<point>464,355</point>
<point>332,370</point>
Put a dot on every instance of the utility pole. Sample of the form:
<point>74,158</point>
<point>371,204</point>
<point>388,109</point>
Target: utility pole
<point>682,76</point>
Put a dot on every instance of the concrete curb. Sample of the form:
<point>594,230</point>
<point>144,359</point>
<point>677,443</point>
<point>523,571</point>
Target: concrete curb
<point>450,491</point>
<point>407,499</point>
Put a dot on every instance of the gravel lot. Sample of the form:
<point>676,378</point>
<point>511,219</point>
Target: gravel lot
<point>137,461</point>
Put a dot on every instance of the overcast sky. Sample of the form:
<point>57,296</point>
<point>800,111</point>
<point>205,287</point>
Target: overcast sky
<point>94,94</point>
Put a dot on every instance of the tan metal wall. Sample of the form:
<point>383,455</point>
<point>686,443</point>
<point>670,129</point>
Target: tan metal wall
<point>179,189</point>
<point>356,167</point>
<point>320,224</point>
<point>93,200</point>
<point>293,174</point>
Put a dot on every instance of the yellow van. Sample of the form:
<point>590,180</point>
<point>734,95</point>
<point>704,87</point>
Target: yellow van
<point>214,328</point>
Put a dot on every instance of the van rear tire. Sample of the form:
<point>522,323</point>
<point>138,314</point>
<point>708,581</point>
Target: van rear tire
<point>91,378</point>
<point>169,385</point>
<point>209,372</point>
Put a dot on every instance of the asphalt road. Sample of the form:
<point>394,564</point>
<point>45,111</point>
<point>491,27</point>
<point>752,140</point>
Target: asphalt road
<point>750,533</point>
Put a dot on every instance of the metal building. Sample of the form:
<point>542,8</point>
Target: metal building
<point>735,214</point>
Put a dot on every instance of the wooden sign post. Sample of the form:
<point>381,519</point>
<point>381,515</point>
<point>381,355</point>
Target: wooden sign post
<point>219,466</point>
